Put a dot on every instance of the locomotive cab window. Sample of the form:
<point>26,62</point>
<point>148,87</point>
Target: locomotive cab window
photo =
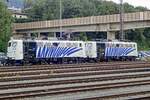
<point>102,45</point>
<point>80,45</point>
<point>9,44</point>
<point>117,45</point>
<point>55,44</point>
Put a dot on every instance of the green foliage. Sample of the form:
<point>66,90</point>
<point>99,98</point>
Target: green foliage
<point>80,36</point>
<point>106,7</point>
<point>28,3</point>
<point>83,36</point>
<point>49,9</point>
<point>5,26</point>
<point>128,8</point>
<point>139,8</point>
<point>141,36</point>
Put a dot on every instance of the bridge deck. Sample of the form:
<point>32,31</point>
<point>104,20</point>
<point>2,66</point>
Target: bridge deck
<point>128,17</point>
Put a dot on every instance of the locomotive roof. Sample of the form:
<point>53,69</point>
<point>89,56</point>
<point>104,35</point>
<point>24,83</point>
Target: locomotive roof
<point>44,40</point>
<point>112,42</point>
<point>118,42</point>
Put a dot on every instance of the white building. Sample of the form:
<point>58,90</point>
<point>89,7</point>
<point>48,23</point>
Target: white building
<point>17,13</point>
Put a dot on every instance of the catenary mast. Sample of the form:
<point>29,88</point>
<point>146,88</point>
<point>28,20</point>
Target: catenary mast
<point>122,37</point>
<point>60,17</point>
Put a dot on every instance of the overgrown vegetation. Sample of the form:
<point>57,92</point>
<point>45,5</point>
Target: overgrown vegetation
<point>5,26</point>
<point>49,9</point>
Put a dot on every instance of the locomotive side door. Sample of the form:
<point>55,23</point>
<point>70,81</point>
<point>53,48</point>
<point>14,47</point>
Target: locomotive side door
<point>29,50</point>
<point>101,51</point>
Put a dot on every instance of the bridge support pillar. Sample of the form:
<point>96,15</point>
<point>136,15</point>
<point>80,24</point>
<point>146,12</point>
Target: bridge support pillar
<point>28,35</point>
<point>39,35</point>
<point>111,35</point>
<point>54,34</point>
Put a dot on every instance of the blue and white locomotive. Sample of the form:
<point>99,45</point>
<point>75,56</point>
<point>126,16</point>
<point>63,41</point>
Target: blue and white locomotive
<point>117,50</point>
<point>64,51</point>
<point>45,51</point>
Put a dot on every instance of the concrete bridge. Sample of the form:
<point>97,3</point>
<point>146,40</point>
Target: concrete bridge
<point>105,23</point>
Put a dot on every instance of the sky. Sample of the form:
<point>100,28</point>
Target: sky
<point>144,3</point>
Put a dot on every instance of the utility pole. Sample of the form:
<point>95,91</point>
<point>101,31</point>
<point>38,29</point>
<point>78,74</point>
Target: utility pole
<point>122,37</point>
<point>60,18</point>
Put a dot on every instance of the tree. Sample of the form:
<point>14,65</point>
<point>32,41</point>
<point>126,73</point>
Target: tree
<point>106,7</point>
<point>5,26</point>
<point>78,8</point>
<point>128,8</point>
<point>51,9</point>
<point>28,4</point>
<point>139,8</point>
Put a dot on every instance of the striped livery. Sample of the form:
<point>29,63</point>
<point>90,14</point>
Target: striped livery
<point>118,52</point>
<point>117,49</point>
<point>56,52</point>
<point>59,49</point>
<point>144,53</point>
<point>120,49</point>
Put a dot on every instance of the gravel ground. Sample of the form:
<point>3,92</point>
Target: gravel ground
<point>98,93</point>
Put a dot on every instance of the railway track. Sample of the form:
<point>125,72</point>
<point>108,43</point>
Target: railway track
<point>55,91</point>
<point>64,69</point>
<point>64,66</point>
<point>71,73</point>
<point>97,81</point>
<point>57,81</point>
<point>42,92</point>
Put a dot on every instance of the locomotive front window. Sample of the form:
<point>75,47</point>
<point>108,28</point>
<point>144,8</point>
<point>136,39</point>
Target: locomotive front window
<point>80,45</point>
<point>102,45</point>
<point>55,44</point>
<point>117,45</point>
<point>9,44</point>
